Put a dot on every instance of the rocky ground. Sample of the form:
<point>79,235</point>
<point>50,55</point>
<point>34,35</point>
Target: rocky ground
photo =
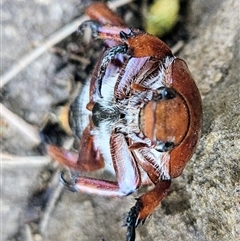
<point>203,204</point>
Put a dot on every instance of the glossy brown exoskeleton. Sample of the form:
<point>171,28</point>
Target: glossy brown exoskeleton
<point>140,118</point>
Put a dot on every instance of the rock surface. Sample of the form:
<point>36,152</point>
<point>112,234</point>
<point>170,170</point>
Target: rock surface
<point>203,204</point>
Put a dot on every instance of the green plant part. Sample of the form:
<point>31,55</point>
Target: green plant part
<point>162,17</point>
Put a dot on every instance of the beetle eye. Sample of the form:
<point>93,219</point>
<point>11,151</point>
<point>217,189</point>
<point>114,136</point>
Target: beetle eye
<point>168,94</point>
<point>164,94</point>
<point>164,146</point>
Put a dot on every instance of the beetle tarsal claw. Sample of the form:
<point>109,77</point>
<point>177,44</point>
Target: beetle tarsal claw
<point>94,25</point>
<point>71,186</point>
<point>132,222</point>
<point>124,36</point>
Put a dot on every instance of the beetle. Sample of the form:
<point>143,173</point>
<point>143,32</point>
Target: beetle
<point>140,118</point>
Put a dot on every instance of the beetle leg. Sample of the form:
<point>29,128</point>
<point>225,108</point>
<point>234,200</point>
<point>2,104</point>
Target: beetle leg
<point>108,56</point>
<point>139,88</point>
<point>113,34</point>
<point>106,32</point>
<point>128,178</point>
<point>144,206</point>
<point>135,76</point>
<point>98,186</point>
<point>106,24</point>
<point>63,156</point>
<point>93,186</point>
<point>103,14</point>
<point>135,39</point>
<point>154,163</point>
<point>70,185</point>
<point>76,160</point>
<point>124,164</point>
<point>88,159</point>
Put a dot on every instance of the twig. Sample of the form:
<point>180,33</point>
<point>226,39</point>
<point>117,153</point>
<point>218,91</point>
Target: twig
<point>177,47</point>
<point>42,48</point>
<point>20,160</point>
<point>22,125</point>
<point>57,191</point>
<point>48,43</point>
<point>70,56</point>
<point>27,231</point>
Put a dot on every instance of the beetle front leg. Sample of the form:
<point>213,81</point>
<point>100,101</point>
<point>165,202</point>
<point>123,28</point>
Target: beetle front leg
<point>111,34</point>
<point>144,206</point>
<point>108,56</point>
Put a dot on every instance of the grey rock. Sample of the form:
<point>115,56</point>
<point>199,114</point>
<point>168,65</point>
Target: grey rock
<point>203,203</point>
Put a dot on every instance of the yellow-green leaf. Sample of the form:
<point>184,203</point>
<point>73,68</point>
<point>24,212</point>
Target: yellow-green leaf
<point>162,16</point>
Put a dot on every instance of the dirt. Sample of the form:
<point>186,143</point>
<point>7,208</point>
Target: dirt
<point>203,203</point>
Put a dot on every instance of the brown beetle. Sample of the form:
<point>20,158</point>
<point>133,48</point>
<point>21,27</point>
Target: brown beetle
<point>143,117</point>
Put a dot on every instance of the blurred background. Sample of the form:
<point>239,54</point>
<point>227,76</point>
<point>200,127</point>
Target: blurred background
<point>43,65</point>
